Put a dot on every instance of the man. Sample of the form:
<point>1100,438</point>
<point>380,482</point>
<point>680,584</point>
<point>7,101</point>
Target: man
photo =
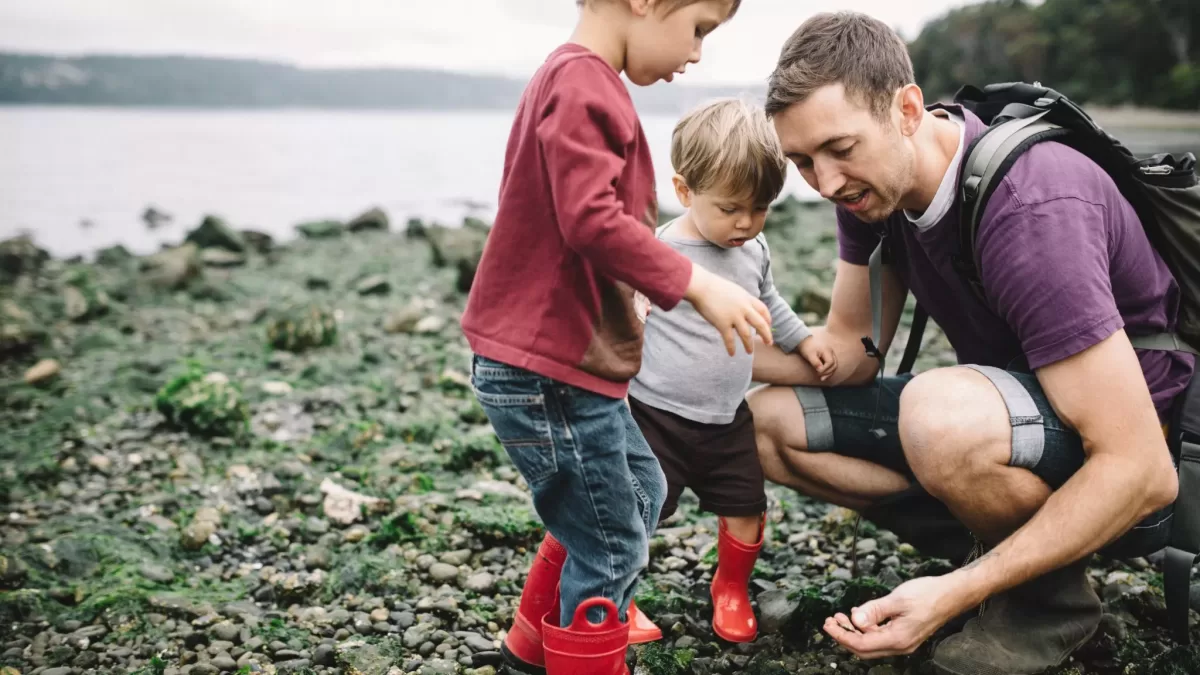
<point>1046,445</point>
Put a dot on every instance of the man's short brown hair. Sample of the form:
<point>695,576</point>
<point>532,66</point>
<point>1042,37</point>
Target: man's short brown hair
<point>672,5</point>
<point>862,53</point>
<point>729,146</point>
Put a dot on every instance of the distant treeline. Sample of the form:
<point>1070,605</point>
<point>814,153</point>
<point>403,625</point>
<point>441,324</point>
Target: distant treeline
<point>1141,52</point>
<point>208,82</point>
<point>1109,52</point>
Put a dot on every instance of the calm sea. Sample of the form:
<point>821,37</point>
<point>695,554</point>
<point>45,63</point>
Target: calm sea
<point>80,178</point>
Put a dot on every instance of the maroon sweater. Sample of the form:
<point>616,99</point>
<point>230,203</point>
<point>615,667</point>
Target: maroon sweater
<point>574,234</point>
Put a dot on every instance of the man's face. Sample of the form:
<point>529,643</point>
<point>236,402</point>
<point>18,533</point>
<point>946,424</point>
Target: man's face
<point>847,155</point>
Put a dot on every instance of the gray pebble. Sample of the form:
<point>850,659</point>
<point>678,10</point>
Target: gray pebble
<point>441,572</point>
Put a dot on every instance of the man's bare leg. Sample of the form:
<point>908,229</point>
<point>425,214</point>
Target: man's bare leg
<point>963,458</point>
<point>829,477</point>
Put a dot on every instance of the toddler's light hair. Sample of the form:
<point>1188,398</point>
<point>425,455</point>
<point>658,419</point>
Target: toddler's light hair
<point>729,146</point>
<point>672,5</point>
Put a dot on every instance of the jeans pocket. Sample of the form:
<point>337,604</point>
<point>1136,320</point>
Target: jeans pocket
<point>517,411</point>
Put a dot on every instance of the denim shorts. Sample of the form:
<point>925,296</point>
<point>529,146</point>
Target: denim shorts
<point>861,422</point>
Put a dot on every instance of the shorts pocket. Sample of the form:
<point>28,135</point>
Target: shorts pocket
<point>517,411</point>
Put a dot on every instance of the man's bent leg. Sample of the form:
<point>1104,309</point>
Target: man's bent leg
<point>994,463</point>
<point>784,438</point>
<point>969,450</point>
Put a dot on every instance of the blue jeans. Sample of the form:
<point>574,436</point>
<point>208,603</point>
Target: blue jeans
<point>596,485</point>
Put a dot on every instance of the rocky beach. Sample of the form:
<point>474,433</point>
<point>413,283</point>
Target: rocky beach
<point>246,455</point>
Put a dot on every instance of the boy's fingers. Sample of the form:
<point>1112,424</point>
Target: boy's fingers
<point>747,336</point>
<point>763,326</point>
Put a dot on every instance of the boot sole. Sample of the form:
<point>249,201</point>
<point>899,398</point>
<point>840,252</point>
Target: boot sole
<point>516,666</point>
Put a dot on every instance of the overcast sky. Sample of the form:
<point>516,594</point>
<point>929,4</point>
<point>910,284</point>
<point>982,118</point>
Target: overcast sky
<point>500,36</point>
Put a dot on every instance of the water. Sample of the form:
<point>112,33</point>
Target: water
<point>272,169</point>
<point>267,170</point>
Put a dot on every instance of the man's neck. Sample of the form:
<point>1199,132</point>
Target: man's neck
<point>600,29</point>
<point>938,145</point>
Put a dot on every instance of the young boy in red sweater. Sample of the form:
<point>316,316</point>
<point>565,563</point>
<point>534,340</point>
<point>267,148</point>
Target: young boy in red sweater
<point>556,336</point>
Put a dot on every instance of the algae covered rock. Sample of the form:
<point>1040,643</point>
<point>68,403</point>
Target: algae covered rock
<point>204,404</point>
<point>302,328</point>
<point>18,330</point>
<point>375,219</point>
<point>320,229</point>
<point>18,256</point>
<point>174,268</point>
<point>460,248</point>
<point>213,232</point>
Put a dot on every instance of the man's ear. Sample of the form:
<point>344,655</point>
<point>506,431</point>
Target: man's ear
<point>682,192</point>
<point>911,105</point>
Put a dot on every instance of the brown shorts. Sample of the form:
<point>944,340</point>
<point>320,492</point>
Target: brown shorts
<point>719,462</point>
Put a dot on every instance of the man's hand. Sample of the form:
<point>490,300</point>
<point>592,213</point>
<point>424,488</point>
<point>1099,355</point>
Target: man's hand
<point>819,354</point>
<point>900,622</point>
<point>729,308</point>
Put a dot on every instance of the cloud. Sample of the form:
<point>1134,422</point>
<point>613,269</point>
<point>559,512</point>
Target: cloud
<point>509,37</point>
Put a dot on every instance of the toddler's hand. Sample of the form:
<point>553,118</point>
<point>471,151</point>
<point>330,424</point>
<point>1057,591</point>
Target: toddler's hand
<point>820,356</point>
<point>729,308</point>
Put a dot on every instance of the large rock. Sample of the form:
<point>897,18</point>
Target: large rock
<point>154,218</point>
<point>375,219</point>
<point>204,404</point>
<point>19,256</point>
<point>320,229</point>
<point>221,258</point>
<point>261,242</point>
<point>215,233</point>
<point>113,256</point>
<point>460,248</point>
<point>302,328</point>
<point>18,330</point>
<point>173,268</point>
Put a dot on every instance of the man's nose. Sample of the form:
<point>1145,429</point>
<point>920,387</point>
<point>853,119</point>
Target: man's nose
<point>830,181</point>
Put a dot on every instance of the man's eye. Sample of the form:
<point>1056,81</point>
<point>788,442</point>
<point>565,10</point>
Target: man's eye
<point>803,163</point>
<point>843,154</point>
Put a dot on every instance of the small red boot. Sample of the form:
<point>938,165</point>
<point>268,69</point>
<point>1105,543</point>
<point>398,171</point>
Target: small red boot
<point>733,617</point>
<point>586,647</point>
<point>641,628</point>
<point>522,647</point>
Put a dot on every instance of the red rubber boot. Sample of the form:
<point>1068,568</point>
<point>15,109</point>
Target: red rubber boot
<point>522,647</point>
<point>641,628</point>
<point>586,647</point>
<point>733,617</point>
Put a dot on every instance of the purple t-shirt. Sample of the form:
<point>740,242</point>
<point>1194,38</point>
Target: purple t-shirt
<point>1064,262</point>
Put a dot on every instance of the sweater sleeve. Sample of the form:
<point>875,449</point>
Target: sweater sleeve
<point>789,330</point>
<point>583,139</point>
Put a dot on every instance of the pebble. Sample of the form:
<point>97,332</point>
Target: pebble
<point>480,582</point>
<point>441,572</point>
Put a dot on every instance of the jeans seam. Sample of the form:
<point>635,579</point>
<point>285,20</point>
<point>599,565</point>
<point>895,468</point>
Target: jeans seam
<point>608,589</point>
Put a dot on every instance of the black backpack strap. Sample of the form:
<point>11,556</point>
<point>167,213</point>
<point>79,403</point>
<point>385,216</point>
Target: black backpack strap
<point>987,161</point>
<point>1184,545</point>
<point>913,346</point>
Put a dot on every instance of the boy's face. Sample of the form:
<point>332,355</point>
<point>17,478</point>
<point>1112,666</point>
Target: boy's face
<point>729,221</point>
<point>661,44</point>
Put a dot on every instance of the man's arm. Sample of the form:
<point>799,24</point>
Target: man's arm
<point>849,320</point>
<point>1127,475</point>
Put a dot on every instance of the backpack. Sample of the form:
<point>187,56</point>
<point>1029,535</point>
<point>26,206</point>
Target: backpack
<point>1164,190</point>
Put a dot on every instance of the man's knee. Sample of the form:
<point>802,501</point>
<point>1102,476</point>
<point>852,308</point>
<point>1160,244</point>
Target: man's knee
<point>953,424</point>
<point>778,420</point>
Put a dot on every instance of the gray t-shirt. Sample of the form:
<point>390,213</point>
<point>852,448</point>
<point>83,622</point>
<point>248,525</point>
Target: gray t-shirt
<point>685,368</point>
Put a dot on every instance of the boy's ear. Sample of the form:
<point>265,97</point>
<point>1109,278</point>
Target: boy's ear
<point>682,192</point>
<point>640,7</point>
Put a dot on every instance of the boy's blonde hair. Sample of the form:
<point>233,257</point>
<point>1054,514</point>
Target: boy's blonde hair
<point>729,145</point>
